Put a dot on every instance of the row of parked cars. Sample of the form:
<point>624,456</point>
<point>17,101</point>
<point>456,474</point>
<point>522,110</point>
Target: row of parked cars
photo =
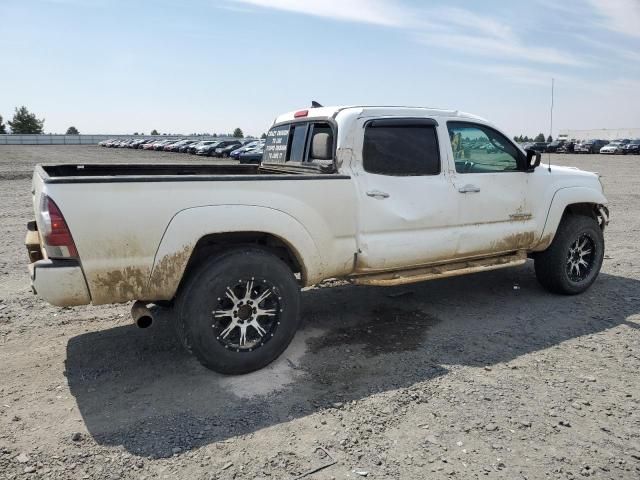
<point>616,147</point>
<point>244,150</point>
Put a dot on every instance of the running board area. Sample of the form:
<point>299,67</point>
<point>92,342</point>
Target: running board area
<point>442,270</point>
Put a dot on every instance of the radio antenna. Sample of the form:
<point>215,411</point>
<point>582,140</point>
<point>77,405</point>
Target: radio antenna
<point>551,126</point>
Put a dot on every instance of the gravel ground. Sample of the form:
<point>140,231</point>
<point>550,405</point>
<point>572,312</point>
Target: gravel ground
<point>483,376</point>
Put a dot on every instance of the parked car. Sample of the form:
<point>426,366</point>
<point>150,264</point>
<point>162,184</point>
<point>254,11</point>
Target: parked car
<point>567,147</point>
<point>146,142</point>
<point>613,148</point>
<point>183,148</point>
<point>207,149</point>
<point>150,145</point>
<point>210,150</point>
<point>590,146</point>
<point>136,142</point>
<point>204,143</point>
<point>538,146</point>
<point>174,146</point>
<point>159,146</point>
<point>342,197</point>
<point>245,148</point>
<point>632,147</point>
<point>554,146</point>
<point>225,148</point>
<point>252,156</point>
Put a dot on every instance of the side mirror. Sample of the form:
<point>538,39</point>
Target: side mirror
<point>533,159</point>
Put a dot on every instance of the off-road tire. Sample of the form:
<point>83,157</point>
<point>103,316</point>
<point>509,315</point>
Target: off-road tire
<point>552,265</point>
<point>199,305</point>
<point>181,329</point>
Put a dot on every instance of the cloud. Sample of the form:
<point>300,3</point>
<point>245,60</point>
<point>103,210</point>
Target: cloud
<point>524,75</point>
<point>621,16</point>
<point>377,12</point>
<point>498,47</point>
<point>450,28</point>
<point>454,17</point>
<point>611,49</point>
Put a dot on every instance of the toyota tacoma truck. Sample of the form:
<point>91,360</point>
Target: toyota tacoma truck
<point>373,195</point>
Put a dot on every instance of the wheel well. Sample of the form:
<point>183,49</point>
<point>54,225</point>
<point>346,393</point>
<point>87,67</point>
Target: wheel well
<point>215,243</point>
<point>587,209</point>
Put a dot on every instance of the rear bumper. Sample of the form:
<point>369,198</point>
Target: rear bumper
<point>59,282</point>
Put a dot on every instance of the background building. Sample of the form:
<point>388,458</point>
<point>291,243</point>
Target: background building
<point>600,134</point>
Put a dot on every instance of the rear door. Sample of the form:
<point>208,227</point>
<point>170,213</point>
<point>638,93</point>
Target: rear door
<point>408,206</point>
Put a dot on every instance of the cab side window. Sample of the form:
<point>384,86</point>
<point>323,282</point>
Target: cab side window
<point>401,149</point>
<point>479,149</point>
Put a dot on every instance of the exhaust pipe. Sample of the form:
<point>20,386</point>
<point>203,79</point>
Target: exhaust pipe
<point>141,315</point>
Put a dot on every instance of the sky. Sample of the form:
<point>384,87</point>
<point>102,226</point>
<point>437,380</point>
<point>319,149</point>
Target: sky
<point>124,66</point>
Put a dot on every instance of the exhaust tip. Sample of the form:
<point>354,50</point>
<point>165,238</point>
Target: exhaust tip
<point>141,315</point>
<point>144,321</point>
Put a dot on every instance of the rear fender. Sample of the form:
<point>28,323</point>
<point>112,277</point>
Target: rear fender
<point>190,225</point>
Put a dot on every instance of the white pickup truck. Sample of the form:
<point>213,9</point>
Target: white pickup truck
<point>374,195</point>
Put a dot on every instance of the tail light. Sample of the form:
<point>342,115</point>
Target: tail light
<point>57,237</point>
<point>301,113</point>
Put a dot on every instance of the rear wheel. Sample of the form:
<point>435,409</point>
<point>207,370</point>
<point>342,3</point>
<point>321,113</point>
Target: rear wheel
<point>572,262</point>
<point>240,311</point>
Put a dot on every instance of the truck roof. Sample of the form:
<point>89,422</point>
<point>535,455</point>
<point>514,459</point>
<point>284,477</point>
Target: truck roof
<point>384,110</point>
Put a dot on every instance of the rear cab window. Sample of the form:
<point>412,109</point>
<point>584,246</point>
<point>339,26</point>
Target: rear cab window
<point>291,145</point>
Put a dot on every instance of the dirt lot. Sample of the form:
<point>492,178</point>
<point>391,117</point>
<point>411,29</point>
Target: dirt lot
<point>484,376</point>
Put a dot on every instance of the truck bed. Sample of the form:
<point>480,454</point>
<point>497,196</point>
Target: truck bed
<point>126,220</point>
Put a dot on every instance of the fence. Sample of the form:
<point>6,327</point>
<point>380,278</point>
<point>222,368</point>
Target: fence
<point>85,139</point>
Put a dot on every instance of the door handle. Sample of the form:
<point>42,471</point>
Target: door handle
<point>377,194</point>
<point>469,189</point>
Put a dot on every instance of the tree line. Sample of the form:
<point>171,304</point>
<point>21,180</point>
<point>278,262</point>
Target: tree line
<point>24,122</point>
<point>537,138</point>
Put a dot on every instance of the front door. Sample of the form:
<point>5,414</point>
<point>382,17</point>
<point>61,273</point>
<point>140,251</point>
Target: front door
<point>492,184</point>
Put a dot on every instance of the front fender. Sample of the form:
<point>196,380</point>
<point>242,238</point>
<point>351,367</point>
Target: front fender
<point>561,200</point>
<point>189,225</point>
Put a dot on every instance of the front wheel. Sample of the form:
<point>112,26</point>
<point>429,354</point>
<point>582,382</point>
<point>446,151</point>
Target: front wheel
<point>239,311</point>
<point>573,260</point>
